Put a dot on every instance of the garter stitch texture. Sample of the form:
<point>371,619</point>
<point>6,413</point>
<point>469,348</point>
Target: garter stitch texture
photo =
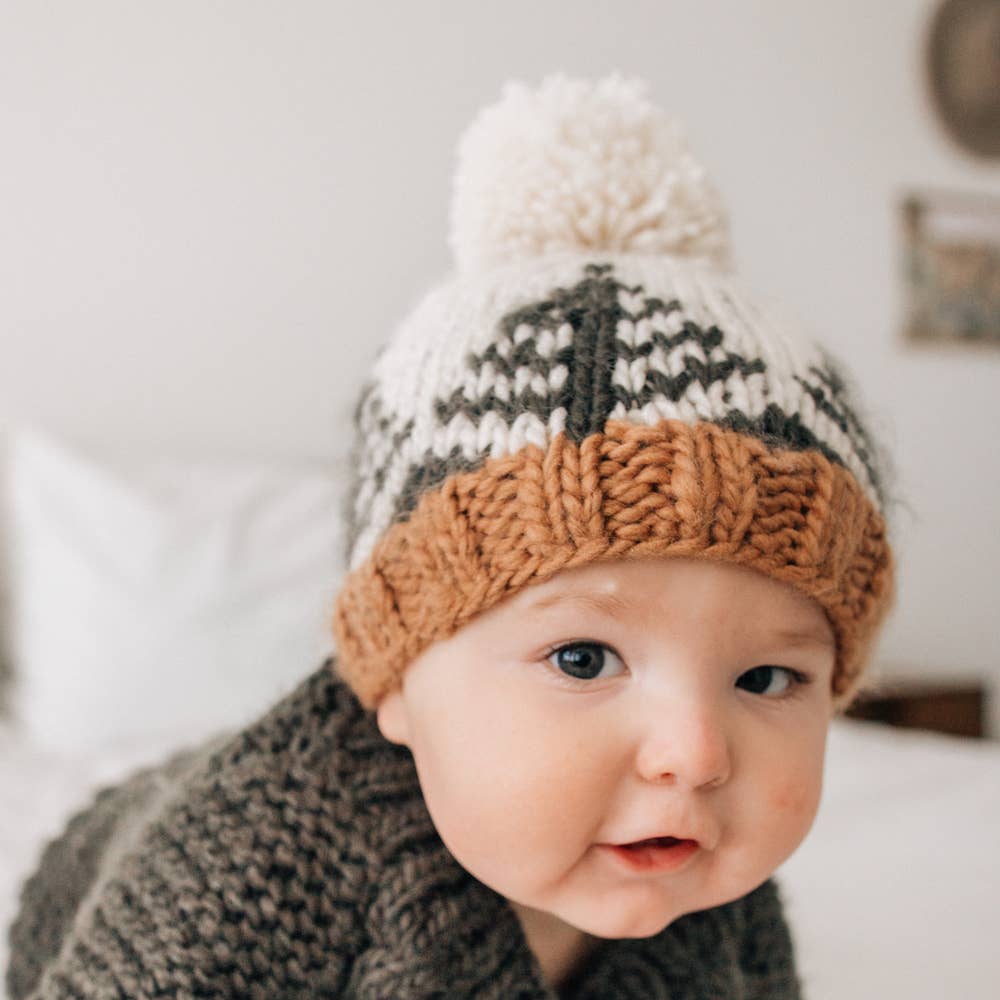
<point>594,383</point>
<point>296,860</point>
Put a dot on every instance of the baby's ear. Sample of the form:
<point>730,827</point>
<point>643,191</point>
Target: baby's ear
<point>392,717</point>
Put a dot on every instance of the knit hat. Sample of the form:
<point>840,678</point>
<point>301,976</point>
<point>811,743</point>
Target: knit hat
<point>591,383</point>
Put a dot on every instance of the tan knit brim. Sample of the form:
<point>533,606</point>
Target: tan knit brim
<point>631,491</point>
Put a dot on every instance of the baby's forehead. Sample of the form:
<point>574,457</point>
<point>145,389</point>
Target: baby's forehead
<point>654,578</point>
<point>636,589</point>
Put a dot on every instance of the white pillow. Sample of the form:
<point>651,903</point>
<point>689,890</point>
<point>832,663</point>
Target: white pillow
<point>163,600</point>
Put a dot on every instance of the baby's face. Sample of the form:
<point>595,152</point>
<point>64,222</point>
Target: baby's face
<point>616,702</point>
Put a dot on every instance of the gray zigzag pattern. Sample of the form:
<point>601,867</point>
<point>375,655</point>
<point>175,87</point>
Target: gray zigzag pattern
<point>593,309</point>
<point>373,420</point>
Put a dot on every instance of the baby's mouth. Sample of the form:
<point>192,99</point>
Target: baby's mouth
<point>653,855</point>
<point>658,842</point>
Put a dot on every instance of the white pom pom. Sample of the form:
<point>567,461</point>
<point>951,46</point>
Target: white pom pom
<point>576,165</point>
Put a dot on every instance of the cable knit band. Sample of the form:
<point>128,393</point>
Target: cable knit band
<point>672,488</point>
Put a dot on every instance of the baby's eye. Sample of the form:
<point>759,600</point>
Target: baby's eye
<point>761,680</point>
<point>583,660</point>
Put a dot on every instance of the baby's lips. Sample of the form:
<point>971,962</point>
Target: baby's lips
<point>660,841</point>
<point>667,839</point>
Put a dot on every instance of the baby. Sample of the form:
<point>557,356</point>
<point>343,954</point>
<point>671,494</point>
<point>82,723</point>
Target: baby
<point>617,553</point>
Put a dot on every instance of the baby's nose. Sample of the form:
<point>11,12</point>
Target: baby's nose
<point>687,743</point>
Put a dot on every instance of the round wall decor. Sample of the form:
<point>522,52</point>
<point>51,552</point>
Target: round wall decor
<point>963,62</point>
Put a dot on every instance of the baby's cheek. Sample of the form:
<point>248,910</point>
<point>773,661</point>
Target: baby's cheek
<point>787,800</point>
<point>796,801</point>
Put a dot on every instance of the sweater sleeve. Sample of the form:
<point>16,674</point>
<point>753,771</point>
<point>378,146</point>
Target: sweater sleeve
<point>70,868</point>
<point>241,880</point>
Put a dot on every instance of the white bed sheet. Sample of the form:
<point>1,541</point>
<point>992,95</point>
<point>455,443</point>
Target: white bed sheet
<point>893,894</point>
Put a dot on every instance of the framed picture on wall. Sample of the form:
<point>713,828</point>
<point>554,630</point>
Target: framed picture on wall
<point>951,250</point>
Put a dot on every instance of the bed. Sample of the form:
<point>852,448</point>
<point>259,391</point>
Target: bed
<point>162,575</point>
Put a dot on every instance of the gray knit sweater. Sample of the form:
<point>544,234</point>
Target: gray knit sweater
<point>297,859</point>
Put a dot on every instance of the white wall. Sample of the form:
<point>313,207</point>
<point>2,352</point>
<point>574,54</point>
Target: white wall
<point>212,213</point>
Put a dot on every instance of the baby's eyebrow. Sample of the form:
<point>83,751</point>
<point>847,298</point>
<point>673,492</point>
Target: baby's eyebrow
<point>589,600</point>
<point>799,634</point>
<point>805,635</point>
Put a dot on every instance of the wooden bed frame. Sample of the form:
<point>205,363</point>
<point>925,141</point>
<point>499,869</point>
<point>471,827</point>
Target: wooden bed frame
<point>956,708</point>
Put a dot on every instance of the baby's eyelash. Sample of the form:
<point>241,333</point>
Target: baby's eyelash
<point>797,681</point>
<point>577,682</point>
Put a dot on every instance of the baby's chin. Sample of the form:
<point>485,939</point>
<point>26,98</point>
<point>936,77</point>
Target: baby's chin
<point>631,915</point>
<point>615,927</point>
<point>598,919</point>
